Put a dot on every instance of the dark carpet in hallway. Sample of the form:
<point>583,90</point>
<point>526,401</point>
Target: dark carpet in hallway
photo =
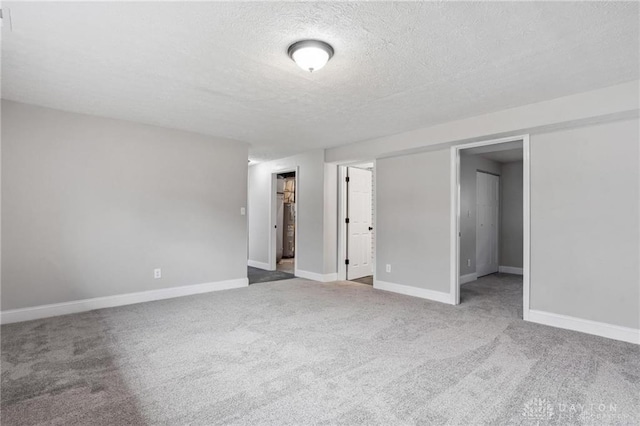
<point>257,275</point>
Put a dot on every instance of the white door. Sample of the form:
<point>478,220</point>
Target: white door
<point>359,227</point>
<point>487,207</point>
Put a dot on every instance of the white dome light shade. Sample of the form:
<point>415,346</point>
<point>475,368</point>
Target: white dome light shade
<point>310,55</point>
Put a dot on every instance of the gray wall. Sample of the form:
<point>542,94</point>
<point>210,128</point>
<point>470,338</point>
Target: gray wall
<point>585,230</point>
<point>511,235</point>
<point>469,166</point>
<point>259,187</point>
<point>585,222</point>
<point>91,206</point>
<point>413,208</point>
<point>619,101</point>
<point>330,218</point>
<point>310,226</point>
<point>511,229</point>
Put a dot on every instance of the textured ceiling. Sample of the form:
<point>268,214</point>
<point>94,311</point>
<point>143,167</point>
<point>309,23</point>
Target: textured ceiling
<point>222,69</point>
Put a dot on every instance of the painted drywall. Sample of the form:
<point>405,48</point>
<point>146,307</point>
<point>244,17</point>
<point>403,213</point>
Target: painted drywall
<point>511,230</point>
<point>469,166</point>
<point>91,206</point>
<point>259,228</point>
<point>413,220</point>
<point>585,221</point>
<point>310,204</point>
<point>608,104</point>
<point>585,230</point>
<point>330,218</point>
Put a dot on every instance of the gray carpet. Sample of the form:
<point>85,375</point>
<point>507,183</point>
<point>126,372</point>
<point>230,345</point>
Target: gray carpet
<point>257,275</point>
<point>300,352</point>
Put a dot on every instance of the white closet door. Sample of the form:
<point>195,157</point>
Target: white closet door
<point>359,214</point>
<point>487,211</point>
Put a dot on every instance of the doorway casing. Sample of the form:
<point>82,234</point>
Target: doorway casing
<point>455,218</point>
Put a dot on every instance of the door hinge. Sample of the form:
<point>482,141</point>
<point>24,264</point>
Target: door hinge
<point>346,261</point>
<point>347,179</point>
<point>346,220</point>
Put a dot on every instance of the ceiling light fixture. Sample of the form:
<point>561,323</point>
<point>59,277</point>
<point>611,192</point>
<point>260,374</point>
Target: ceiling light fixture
<point>310,55</point>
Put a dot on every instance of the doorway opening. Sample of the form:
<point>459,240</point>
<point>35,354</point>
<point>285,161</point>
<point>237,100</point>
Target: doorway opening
<point>356,217</point>
<point>285,226</point>
<point>490,222</point>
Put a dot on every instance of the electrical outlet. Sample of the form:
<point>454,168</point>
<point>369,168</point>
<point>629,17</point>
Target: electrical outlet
<point>157,273</point>
<point>388,267</point>
<point>468,262</point>
<point>243,211</point>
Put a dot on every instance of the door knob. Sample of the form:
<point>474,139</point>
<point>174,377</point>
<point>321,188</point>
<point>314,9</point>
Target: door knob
<point>370,229</point>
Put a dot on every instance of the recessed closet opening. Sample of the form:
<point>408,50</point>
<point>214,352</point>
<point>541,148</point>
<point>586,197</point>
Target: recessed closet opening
<point>492,223</point>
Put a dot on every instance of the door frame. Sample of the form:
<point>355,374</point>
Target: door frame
<point>342,216</point>
<point>273,218</point>
<point>526,213</point>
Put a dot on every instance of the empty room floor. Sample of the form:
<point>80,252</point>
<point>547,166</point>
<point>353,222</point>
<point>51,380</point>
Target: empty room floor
<point>302,352</point>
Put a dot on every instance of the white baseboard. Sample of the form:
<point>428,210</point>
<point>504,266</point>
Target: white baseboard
<point>53,310</point>
<point>602,329</point>
<point>422,293</point>
<point>323,278</point>
<point>468,278</point>
<point>329,278</point>
<point>259,265</point>
<point>510,270</point>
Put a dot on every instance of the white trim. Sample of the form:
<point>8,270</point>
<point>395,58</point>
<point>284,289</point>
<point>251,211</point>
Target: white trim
<point>52,310</point>
<point>511,270</point>
<point>468,278</point>
<point>329,278</point>
<point>423,293</point>
<point>342,226</point>
<point>273,217</point>
<point>375,218</point>
<point>610,331</point>
<point>455,217</point>
<point>323,278</point>
<point>260,265</point>
<point>374,189</point>
<point>454,245</point>
<point>526,228</point>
